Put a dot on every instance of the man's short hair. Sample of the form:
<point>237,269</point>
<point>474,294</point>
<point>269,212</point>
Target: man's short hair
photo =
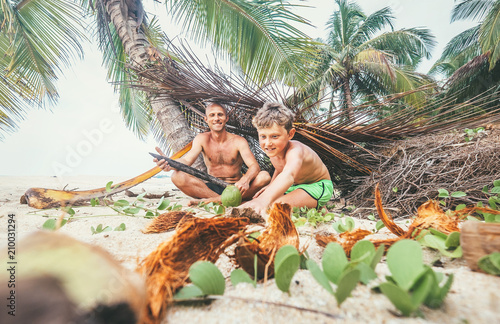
<point>274,113</point>
<point>214,103</point>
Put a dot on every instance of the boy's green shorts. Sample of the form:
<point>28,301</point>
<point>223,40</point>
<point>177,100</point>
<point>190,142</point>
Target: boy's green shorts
<point>321,191</point>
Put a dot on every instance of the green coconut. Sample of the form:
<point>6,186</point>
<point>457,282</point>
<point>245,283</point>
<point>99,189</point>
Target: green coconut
<point>231,196</point>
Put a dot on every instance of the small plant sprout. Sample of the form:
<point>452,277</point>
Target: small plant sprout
<point>470,133</point>
<point>490,263</point>
<point>447,245</point>
<point>206,279</point>
<point>412,283</point>
<point>101,228</point>
<point>52,224</point>
<point>336,271</point>
<point>304,215</point>
<point>342,227</point>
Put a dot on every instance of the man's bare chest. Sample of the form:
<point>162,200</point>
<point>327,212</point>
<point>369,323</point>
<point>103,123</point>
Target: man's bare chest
<point>222,156</point>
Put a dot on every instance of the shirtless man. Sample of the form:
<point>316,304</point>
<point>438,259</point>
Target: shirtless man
<point>224,154</point>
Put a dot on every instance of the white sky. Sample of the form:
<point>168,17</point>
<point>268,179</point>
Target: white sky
<point>84,133</point>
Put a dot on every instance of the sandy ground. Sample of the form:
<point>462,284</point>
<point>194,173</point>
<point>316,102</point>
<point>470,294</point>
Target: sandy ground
<point>474,297</point>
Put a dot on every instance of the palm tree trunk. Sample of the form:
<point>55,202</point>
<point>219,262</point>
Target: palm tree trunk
<point>348,100</point>
<point>167,110</point>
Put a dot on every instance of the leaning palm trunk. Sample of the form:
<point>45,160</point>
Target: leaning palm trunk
<point>349,113</point>
<point>166,110</point>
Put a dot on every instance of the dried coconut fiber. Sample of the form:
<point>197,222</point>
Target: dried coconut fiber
<point>166,268</point>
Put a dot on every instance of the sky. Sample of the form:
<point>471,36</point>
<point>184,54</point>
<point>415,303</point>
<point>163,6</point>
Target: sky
<point>84,133</point>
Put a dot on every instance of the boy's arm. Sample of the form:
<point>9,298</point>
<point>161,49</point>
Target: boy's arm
<point>253,167</point>
<point>279,184</point>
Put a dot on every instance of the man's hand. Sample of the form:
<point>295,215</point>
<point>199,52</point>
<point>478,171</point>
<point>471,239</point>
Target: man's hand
<point>162,164</point>
<point>242,186</point>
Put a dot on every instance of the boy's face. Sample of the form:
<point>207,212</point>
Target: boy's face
<point>215,117</point>
<point>274,140</point>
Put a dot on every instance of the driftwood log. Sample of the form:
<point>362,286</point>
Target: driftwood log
<point>479,239</point>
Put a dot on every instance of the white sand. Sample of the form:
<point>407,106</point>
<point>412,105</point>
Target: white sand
<point>474,297</point>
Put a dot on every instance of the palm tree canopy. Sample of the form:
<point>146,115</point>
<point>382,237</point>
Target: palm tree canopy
<point>361,60</point>
<point>470,59</point>
<point>37,38</point>
<point>259,35</point>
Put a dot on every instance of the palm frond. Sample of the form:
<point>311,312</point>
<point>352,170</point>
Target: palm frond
<point>489,34</point>
<point>471,9</point>
<point>409,46</point>
<point>259,35</point>
<point>37,39</point>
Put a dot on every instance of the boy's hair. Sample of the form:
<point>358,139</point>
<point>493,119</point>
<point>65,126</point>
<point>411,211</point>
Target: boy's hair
<point>273,113</point>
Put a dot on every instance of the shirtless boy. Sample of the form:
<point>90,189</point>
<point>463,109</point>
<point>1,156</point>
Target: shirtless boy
<point>224,154</point>
<point>300,177</point>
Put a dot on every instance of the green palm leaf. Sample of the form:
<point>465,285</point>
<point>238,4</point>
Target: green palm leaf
<point>258,35</point>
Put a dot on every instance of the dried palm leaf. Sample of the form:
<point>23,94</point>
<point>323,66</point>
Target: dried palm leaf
<point>333,137</point>
<point>279,232</point>
<point>166,268</point>
<point>168,221</point>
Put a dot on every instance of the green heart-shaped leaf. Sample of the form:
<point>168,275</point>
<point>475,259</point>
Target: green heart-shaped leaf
<point>239,275</point>
<point>206,276</point>
<point>398,297</point>
<point>319,275</point>
<point>347,282</point>
<point>404,259</point>
<point>286,263</point>
<point>334,261</point>
<point>187,292</point>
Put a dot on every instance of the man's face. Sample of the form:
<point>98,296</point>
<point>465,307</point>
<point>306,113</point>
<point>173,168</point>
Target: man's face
<point>274,140</point>
<point>215,117</point>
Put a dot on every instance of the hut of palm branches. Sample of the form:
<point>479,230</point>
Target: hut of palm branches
<point>359,152</point>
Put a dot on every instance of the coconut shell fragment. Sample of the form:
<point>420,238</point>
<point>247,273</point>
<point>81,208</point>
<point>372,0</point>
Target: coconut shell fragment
<point>279,232</point>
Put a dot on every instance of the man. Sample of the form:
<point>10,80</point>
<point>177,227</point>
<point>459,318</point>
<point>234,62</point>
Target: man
<point>224,154</point>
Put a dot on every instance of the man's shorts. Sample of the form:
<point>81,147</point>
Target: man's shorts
<point>321,191</point>
<point>215,188</point>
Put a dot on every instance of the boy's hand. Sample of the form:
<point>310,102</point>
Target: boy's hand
<point>257,205</point>
<point>257,194</point>
<point>162,164</point>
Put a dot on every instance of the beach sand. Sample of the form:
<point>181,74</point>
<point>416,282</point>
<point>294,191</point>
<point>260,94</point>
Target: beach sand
<point>474,297</point>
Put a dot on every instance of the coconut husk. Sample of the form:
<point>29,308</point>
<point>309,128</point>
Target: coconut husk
<point>280,231</point>
<point>166,268</point>
<point>58,267</point>
<point>429,215</point>
<point>167,221</point>
<point>346,239</point>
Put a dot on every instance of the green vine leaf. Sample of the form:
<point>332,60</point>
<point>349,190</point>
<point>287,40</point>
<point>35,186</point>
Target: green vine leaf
<point>286,263</point>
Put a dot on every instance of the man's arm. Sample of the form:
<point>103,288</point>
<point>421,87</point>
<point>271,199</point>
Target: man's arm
<point>187,159</point>
<point>253,167</point>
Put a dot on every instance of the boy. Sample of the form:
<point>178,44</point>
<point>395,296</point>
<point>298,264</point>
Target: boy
<point>300,177</point>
